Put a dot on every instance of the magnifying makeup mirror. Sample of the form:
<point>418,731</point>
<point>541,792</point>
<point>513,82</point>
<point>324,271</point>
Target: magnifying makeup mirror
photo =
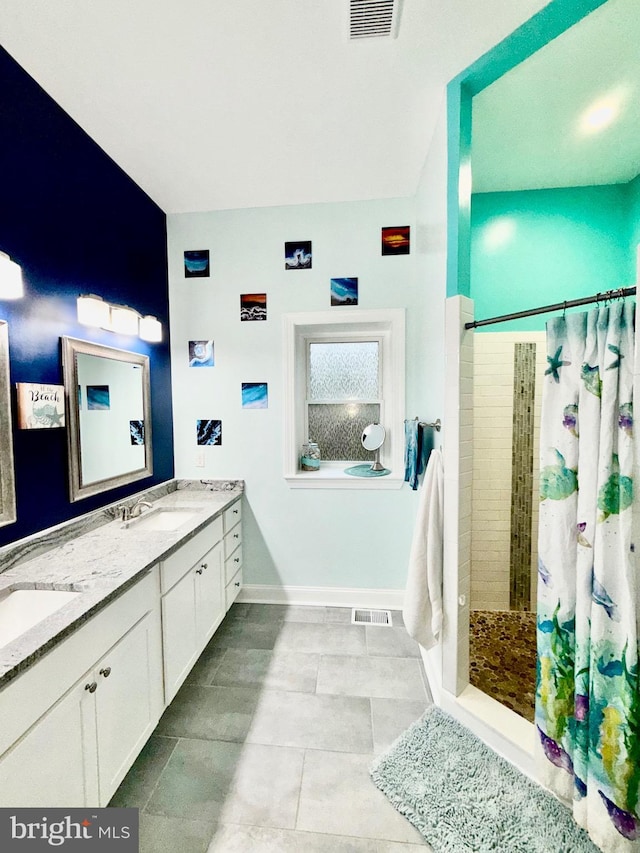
<point>373,437</point>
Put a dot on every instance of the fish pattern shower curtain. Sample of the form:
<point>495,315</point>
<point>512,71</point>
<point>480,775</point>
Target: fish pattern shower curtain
<point>587,696</point>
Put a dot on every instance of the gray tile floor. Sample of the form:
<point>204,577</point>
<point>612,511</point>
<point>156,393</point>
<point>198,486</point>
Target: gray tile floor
<point>267,746</point>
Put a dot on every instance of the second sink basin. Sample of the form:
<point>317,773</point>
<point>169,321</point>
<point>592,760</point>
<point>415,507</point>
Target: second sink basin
<point>162,518</point>
<point>21,609</point>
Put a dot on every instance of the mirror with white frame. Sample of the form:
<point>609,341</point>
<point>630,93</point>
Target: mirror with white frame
<point>7,482</point>
<point>108,401</point>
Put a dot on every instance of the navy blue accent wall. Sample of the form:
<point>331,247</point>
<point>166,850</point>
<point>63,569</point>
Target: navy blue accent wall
<point>76,223</point>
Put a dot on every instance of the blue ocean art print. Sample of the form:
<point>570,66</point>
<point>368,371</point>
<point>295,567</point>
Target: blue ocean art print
<point>201,354</point>
<point>297,255</point>
<point>208,432</point>
<point>136,428</point>
<point>196,263</point>
<point>344,291</point>
<point>98,397</point>
<point>255,395</point>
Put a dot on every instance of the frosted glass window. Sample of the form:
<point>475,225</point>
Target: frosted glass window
<point>344,371</point>
<point>337,429</point>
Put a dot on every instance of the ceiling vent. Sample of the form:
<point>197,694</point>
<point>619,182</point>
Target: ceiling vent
<point>373,18</point>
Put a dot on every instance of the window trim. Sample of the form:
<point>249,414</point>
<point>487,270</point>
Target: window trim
<point>387,324</point>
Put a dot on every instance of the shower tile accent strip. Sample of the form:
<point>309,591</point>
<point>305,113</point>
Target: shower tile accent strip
<point>524,364</point>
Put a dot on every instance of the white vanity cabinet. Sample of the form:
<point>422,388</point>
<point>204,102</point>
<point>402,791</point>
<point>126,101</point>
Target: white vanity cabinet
<point>232,552</point>
<point>74,722</point>
<point>192,602</point>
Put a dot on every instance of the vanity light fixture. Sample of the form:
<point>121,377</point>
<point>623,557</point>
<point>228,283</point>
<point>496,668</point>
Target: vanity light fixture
<point>11,286</point>
<point>124,320</point>
<point>95,311</point>
<point>150,329</point>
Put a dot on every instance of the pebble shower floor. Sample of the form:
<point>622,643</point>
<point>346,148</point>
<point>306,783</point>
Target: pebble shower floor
<point>502,652</point>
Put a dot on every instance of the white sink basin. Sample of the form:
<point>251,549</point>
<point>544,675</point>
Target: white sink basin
<point>21,609</point>
<point>162,518</point>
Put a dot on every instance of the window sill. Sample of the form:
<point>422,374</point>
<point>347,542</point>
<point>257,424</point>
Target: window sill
<point>332,476</point>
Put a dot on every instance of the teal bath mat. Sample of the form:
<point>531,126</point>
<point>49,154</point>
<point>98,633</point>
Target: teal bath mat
<point>466,799</point>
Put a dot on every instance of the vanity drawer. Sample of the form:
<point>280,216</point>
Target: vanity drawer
<point>232,515</point>
<point>187,555</point>
<point>232,539</point>
<point>232,589</point>
<point>232,564</point>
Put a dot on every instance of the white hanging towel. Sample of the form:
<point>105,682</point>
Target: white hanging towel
<point>422,610</point>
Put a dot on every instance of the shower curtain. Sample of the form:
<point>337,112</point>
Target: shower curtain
<point>587,696</point>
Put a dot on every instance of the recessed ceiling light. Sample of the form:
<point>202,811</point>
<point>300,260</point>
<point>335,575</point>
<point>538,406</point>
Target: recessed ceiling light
<point>603,112</point>
<point>599,117</point>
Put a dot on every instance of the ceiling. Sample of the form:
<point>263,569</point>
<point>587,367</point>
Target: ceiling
<point>210,105</point>
<point>527,130</point>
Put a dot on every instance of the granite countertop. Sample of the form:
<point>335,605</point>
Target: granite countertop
<point>98,557</point>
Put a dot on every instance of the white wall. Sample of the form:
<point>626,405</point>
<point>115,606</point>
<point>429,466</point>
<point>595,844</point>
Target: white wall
<point>431,256</point>
<point>431,261</point>
<point>305,538</point>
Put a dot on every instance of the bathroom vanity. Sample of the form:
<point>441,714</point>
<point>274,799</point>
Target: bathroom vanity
<point>82,689</point>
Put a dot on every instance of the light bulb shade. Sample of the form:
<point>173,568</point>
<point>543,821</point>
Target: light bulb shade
<point>92,311</point>
<point>124,321</point>
<point>10,278</point>
<point>150,329</point>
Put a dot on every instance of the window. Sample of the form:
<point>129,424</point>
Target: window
<point>342,373</point>
<point>343,396</point>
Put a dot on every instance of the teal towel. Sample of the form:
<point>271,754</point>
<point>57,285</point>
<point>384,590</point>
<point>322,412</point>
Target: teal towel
<point>416,452</point>
<point>412,452</point>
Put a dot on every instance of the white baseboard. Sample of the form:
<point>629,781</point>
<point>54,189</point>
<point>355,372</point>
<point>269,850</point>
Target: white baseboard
<point>323,596</point>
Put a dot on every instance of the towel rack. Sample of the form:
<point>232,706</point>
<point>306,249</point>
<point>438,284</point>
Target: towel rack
<point>435,425</point>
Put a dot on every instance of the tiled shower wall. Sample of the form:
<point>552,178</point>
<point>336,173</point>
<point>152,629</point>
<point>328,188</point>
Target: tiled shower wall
<point>501,528</point>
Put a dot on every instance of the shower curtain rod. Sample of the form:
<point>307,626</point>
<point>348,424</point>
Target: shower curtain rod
<point>620,293</point>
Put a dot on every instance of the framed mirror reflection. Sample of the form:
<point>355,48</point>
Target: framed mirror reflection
<point>108,403</point>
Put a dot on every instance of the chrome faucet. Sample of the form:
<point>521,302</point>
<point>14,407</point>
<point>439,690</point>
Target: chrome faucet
<point>136,509</point>
<point>124,512</point>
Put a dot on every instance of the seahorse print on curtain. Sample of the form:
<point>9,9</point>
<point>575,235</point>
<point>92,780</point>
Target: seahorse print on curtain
<point>587,696</point>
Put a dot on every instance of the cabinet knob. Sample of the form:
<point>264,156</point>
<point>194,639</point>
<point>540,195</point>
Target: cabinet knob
<point>91,687</point>
<point>236,511</point>
<point>237,583</point>
<point>236,559</point>
<point>236,535</point>
<point>204,565</point>
<point>106,671</point>
<point>198,571</point>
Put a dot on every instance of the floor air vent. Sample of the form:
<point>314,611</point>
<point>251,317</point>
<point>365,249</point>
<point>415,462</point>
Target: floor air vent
<point>373,18</point>
<point>370,617</point>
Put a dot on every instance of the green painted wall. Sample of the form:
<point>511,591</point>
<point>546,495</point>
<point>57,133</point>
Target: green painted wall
<point>539,247</point>
<point>552,20</point>
<point>633,203</point>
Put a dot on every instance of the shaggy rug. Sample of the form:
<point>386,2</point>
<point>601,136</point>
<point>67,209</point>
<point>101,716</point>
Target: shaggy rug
<point>466,799</point>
